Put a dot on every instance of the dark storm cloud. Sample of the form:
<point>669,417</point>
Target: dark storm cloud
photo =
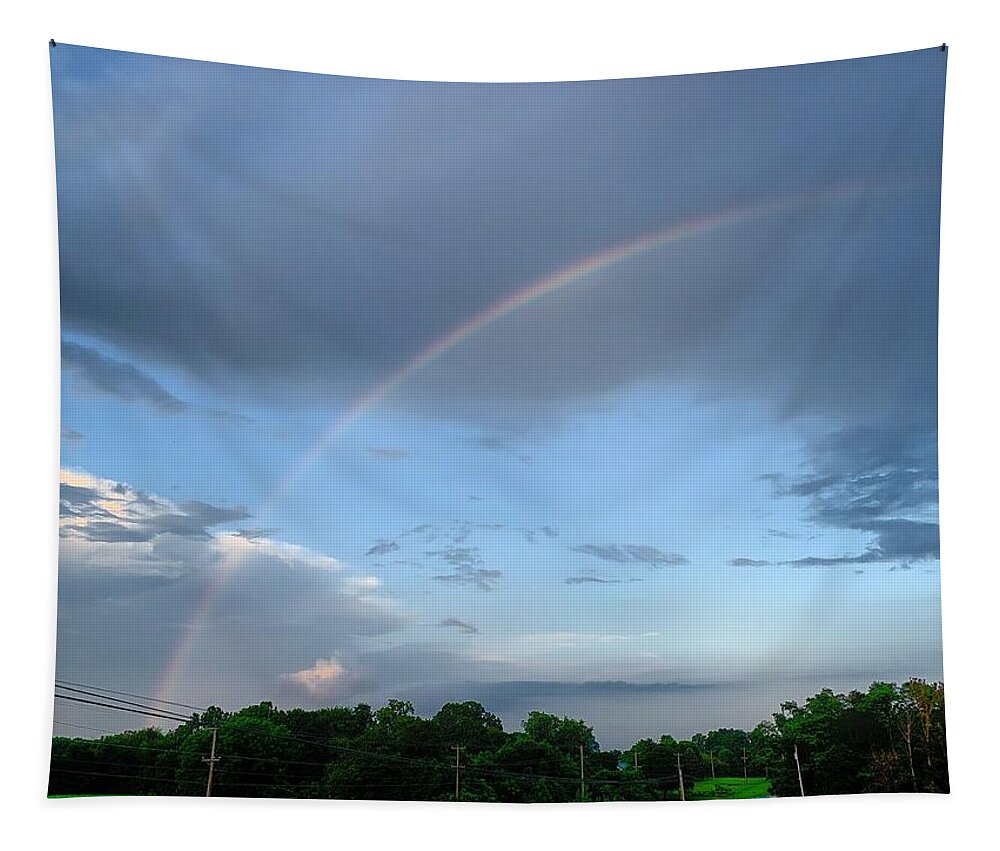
<point>881,480</point>
<point>290,231</point>
<point>907,538</point>
<point>118,379</point>
<point>630,553</point>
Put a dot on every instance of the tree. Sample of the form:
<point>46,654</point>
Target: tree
<point>887,738</point>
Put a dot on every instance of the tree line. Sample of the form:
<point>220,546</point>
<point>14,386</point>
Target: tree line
<point>890,738</point>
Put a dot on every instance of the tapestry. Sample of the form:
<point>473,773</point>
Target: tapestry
<point>502,442</point>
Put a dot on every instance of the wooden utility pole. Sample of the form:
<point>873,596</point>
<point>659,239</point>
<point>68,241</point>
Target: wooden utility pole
<point>680,775</point>
<point>582,791</point>
<point>798,768</point>
<point>458,750</point>
<point>211,760</point>
<point>745,780</point>
<point>711,756</point>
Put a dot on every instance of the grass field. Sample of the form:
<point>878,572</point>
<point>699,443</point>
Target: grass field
<point>730,787</point>
<point>704,790</point>
<point>87,796</point>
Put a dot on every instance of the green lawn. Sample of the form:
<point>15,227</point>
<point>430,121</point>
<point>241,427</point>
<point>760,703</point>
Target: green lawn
<point>730,787</point>
<point>87,796</point>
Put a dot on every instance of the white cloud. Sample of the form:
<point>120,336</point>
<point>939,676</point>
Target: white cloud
<point>321,680</point>
<point>149,584</point>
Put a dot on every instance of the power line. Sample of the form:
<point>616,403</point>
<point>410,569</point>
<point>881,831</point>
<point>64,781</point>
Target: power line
<point>120,708</point>
<point>96,730</point>
<point>115,699</point>
<point>65,683</point>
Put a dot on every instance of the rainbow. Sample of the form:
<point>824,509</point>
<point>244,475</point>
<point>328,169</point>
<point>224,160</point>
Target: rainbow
<point>539,289</point>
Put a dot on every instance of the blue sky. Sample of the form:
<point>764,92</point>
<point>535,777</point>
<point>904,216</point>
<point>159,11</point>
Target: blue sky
<point>695,483</point>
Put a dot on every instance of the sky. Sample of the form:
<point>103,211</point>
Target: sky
<point>615,399</point>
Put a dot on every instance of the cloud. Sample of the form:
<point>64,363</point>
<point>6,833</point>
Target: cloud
<point>260,612</point>
<point>480,578</point>
<point>894,539</point>
<point>254,534</point>
<point>494,443</point>
<point>459,556</point>
<point>113,512</point>
<point>118,379</point>
<point>723,312</point>
<point>387,452</point>
<point>383,547</point>
<point>428,530</point>
<point>778,533</point>
<point>880,479</point>
<point>323,679</point>
<point>906,538</point>
<point>221,228</point>
<point>549,532</point>
<point>79,499</point>
<point>630,553</point>
<point>583,580</point>
<point>71,436</point>
<point>467,628</point>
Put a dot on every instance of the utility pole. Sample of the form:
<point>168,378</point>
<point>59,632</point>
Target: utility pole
<point>581,775</point>
<point>680,775</point>
<point>458,750</point>
<point>211,760</point>
<point>711,756</point>
<point>798,768</point>
<point>745,780</point>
